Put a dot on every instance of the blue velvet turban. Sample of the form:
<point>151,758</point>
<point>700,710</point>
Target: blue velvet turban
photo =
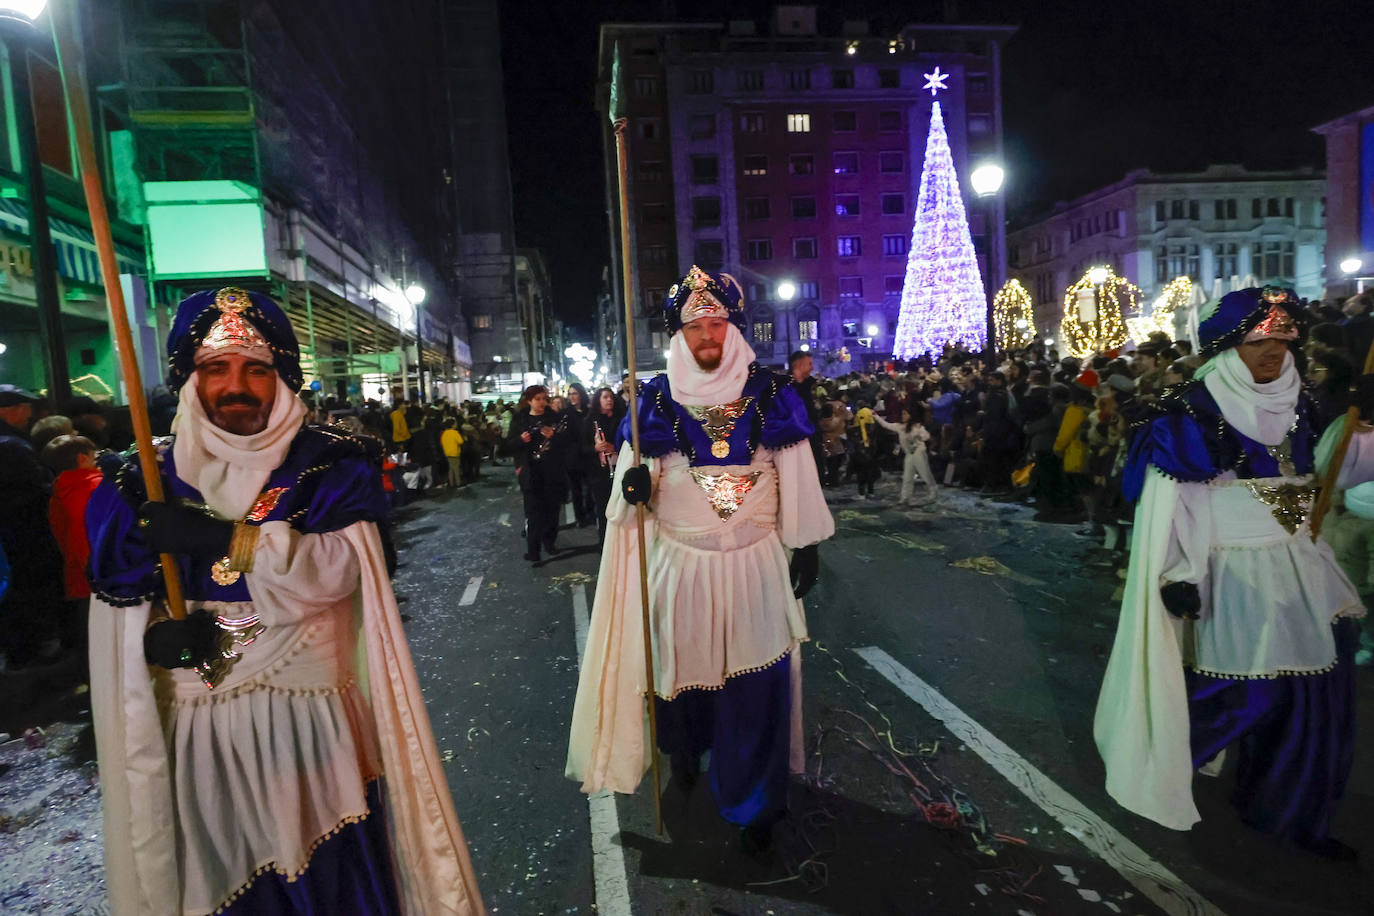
<point>231,317</point>
<point>702,294</point>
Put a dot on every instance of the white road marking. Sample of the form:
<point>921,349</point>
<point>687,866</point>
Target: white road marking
<point>568,514</point>
<point>470,593</point>
<point>1156,882</point>
<point>608,856</point>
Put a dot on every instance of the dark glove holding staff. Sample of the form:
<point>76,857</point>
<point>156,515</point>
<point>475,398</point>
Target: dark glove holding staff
<point>1182,599</point>
<point>179,530</point>
<point>636,486</point>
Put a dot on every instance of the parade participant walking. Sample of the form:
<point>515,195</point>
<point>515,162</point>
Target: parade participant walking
<point>274,756</point>
<point>575,456</point>
<point>913,438</point>
<point>732,486</point>
<point>599,438</point>
<point>1237,628</point>
<point>538,438</point>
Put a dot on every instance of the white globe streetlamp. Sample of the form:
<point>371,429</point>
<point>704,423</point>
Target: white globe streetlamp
<point>787,290</point>
<point>987,179</point>
<point>415,294</point>
<point>1097,276</point>
<point>1351,265</point>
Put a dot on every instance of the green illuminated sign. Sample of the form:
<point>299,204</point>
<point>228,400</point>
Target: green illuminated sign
<point>205,229</point>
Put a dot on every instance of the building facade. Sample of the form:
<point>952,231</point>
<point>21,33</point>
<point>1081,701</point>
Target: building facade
<point>250,143</point>
<point>791,160</point>
<point>1349,202</point>
<point>1219,226</point>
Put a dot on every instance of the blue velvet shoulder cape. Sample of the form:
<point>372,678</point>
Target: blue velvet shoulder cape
<point>1187,439</point>
<point>331,481</point>
<point>774,418</point>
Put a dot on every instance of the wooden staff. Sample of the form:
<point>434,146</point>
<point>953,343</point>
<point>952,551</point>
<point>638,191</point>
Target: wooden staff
<point>622,157</point>
<point>73,80</point>
<point>1333,470</point>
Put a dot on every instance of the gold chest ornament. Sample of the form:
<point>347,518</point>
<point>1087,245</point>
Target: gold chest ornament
<point>725,492</point>
<point>718,421</point>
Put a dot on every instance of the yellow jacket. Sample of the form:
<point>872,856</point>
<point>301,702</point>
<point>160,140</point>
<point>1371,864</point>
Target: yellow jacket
<point>400,430</point>
<point>451,441</point>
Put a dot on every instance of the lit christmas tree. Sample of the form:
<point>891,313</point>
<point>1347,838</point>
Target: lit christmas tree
<point>942,296</point>
<point>1013,316</point>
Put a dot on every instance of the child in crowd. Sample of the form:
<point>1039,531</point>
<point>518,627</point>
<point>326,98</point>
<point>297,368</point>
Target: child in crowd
<point>72,459</point>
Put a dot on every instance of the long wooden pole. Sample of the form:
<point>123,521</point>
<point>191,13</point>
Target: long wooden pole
<point>1333,470</point>
<point>622,158</point>
<point>69,63</point>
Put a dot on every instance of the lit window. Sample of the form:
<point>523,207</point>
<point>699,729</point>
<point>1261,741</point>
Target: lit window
<point>803,248</point>
<point>763,332</point>
<point>755,165</point>
<point>848,246</point>
<point>481,322</point>
<point>806,330</point>
<point>894,245</point>
<point>846,205</point>
<point>799,124</point>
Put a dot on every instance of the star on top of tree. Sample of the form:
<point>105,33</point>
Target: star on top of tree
<point>936,80</point>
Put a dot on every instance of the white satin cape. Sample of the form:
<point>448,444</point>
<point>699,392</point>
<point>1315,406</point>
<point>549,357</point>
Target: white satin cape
<point>429,854</point>
<point>1141,725</point>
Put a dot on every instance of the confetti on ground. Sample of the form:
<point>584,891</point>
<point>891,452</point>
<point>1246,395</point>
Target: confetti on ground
<point>1067,872</point>
<point>557,583</point>
<point>989,566</point>
<point>982,889</point>
<point>1090,896</point>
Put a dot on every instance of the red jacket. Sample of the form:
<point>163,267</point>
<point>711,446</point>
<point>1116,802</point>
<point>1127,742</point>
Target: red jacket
<point>67,515</point>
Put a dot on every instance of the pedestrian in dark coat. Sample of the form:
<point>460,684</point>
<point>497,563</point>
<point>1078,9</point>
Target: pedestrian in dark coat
<point>538,440</point>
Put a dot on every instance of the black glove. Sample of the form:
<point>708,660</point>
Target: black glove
<point>635,486</point>
<point>169,528</point>
<point>1181,599</point>
<point>806,566</point>
<point>181,643</point>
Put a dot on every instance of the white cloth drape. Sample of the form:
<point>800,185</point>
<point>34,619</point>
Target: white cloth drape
<point>694,385</point>
<point>1263,411</point>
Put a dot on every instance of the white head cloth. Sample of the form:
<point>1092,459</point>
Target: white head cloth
<point>230,470</point>
<point>694,385</point>
<point>1264,411</point>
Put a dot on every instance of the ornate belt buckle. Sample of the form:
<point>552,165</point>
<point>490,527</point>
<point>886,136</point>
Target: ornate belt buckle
<point>234,632</point>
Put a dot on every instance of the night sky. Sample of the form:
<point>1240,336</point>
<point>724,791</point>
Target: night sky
<point>1091,89</point>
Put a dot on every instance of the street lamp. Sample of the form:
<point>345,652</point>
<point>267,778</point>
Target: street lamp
<point>1351,265</point>
<point>415,295</point>
<point>16,27</point>
<point>987,181</point>
<point>1097,276</point>
<point>787,291</point>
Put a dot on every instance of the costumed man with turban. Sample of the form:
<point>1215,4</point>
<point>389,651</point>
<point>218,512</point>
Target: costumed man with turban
<point>731,487</point>
<point>1237,629</point>
<point>271,752</point>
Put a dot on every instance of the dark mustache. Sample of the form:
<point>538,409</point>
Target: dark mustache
<point>229,400</point>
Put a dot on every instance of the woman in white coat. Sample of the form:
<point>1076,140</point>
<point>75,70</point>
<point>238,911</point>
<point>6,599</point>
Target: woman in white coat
<point>913,438</point>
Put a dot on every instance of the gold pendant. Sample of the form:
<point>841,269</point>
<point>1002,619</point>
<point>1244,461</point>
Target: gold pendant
<point>222,574</point>
<point>720,448</point>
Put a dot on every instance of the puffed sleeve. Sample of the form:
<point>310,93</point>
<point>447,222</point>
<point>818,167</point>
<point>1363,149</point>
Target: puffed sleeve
<point>123,570</point>
<point>803,516</point>
<point>618,511</point>
<point>296,575</point>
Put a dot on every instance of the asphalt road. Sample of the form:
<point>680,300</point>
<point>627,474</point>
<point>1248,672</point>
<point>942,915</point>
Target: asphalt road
<point>956,656</point>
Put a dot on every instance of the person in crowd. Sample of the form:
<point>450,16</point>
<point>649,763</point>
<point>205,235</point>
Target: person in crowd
<point>473,430</point>
<point>434,429</point>
<point>833,424</point>
<point>1001,438</point>
<point>538,440</point>
<point>731,484</point>
<point>912,437</point>
<point>34,601</point>
<point>72,459</point>
<point>599,436</point>
<point>1223,560</point>
<point>1071,447</point>
<point>800,365</point>
<point>400,428</point>
<point>863,459</point>
<point>1053,500</point>
<point>244,766</point>
<point>576,455</point>
<point>451,443</point>
<point>49,428</point>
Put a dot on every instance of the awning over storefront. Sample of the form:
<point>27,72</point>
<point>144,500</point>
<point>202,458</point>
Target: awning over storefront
<point>76,257</point>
